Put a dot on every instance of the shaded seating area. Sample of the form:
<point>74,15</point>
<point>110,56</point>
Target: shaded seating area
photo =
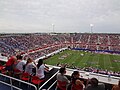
<point>25,81</point>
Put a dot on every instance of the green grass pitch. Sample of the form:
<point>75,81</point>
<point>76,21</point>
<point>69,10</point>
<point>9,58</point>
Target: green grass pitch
<point>86,59</point>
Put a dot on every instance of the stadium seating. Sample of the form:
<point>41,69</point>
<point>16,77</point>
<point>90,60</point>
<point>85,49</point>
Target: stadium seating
<point>35,80</point>
<point>37,45</point>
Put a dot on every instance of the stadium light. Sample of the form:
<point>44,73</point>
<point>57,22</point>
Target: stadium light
<point>53,26</point>
<point>91,27</point>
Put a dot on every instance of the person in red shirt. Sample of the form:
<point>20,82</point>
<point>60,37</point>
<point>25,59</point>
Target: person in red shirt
<point>76,82</point>
<point>10,64</point>
<point>116,87</point>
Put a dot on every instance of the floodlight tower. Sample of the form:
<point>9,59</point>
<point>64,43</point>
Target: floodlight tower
<point>91,28</point>
<point>53,27</point>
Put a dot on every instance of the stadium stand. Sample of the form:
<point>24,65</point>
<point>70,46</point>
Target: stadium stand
<point>43,45</point>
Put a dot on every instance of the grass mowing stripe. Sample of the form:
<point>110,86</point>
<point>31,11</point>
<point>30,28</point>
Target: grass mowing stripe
<point>87,58</point>
<point>73,59</point>
<point>81,63</point>
<point>70,56</point>
<point>96,60</point>
<point>91,61</point>
<point>55,59</point>
<point>116,64</point>
<point>103,61</point>
<point>112,67</point>
<point>107,62</point>
<point>113,63</point>
<point>78,59</point>
<point>118,58</point>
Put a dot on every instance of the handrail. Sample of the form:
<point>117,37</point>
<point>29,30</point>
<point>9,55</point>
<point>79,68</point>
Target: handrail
<point>52,85</point>
<point>19,81</point>
<point>10,85</point>
<point>48,80</point>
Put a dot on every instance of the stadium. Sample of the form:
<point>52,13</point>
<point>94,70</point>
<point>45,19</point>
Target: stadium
<point>59,45</point>
<point>76,51</point>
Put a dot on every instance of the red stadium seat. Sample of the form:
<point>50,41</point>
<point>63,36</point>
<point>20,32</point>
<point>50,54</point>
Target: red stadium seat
<point>17,72</point>
<point>25,77</point>
<point>2,67</point>
<point>35,80</point>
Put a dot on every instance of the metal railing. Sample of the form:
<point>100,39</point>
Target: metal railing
<point>10,85</point>
<point>52,85</point>
<point>48,80</point>
<point>12,78</point>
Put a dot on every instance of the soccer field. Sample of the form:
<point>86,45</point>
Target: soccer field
<point>86,59</point>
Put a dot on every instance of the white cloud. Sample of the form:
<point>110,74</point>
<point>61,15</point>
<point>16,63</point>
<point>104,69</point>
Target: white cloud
<point>67,15</point>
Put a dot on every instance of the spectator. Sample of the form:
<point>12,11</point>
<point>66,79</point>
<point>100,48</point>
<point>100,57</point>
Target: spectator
<point>20,65</point>
<point>41,68</point>
<point>29,66</point>
<point>94,85</point>
<point>116,87</point>
<point>62,80</point>
<point>77,83</point>
<point>10,64</point>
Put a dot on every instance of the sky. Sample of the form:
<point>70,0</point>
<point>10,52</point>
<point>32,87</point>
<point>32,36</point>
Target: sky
<point>61,16</point>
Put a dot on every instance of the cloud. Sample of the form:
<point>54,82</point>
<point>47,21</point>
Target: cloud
<point>67,15</point>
